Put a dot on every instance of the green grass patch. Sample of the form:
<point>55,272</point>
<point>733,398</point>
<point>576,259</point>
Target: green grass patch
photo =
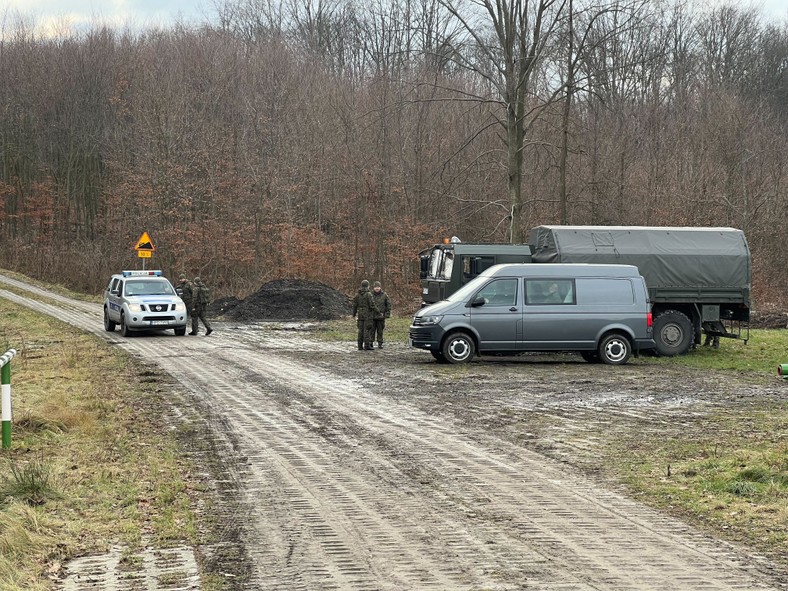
<point>31,482</point>
<point>730,473</point>
<point>763,352</point>
<point>91,463</point>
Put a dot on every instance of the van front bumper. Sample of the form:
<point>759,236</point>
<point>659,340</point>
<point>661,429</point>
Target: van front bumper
<point>426,337</point>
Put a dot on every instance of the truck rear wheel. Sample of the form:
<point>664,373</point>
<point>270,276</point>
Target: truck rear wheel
<point>673,333</point>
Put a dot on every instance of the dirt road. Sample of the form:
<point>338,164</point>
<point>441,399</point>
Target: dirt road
<point>385,471</point>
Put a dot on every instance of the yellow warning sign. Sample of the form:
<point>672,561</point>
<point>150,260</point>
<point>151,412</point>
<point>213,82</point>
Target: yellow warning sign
<point>144,254</point>
<point>144,243</point>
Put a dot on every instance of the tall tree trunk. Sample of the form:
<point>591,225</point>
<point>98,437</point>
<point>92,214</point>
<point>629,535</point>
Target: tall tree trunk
<point>570,77</point>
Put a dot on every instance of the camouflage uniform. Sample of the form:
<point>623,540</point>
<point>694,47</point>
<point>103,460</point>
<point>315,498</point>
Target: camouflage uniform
<point>201,297</point>
<point>364,309</point>
<point>383,304</point>
<point>185,291</point>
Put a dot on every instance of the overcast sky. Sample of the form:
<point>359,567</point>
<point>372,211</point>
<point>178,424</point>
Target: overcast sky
<point>62,15</point>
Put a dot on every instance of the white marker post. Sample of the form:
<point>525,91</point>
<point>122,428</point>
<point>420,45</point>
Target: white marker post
<point>5,372</point>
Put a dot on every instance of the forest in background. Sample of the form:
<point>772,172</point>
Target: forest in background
<point>332,141</point>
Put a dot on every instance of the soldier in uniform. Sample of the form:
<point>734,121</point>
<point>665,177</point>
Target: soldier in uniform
<point>364,310</point>
<point>185,291</point>
<point>201,297</point>
<point>383,304</point>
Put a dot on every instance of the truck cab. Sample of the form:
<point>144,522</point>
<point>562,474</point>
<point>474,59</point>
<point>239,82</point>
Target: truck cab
<point>446,267</point>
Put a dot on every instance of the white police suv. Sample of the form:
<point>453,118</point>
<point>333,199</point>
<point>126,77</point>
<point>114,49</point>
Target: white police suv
<point>143,300</point>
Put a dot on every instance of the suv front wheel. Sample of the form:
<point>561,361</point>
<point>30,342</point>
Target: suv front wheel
<point>124,329</point>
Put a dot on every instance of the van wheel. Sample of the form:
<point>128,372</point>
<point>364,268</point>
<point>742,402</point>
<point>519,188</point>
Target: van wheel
<point>109,325</point>
<point>179,332</point>
<point>438,356</point>
<point>124,329</point>
<point>673,333</point>
<point>458,348</point>
<point>614,349</point>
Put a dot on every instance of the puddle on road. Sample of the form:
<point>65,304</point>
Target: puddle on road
<point>152,569</point>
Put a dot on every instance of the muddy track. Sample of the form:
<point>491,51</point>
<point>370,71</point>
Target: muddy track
<point>343,476</point>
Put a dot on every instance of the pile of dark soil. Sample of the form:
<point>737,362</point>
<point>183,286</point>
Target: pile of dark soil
<point>769,319</point>
<point>286,299</point>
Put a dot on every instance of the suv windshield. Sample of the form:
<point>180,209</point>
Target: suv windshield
<point>147,287</point>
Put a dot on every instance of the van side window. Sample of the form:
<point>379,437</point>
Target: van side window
<point>549,291</point>
<point>501,292</point>
<point>606,292</point>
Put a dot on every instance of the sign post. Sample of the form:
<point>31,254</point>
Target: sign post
<point>5,372</point>
<point>144,248</point>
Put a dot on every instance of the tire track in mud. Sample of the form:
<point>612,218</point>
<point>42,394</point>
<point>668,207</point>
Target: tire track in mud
<point>471,474</point>
<point>346,489</point>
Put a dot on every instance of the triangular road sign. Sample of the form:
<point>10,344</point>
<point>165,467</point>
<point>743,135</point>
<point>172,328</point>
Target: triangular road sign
<point>144,243</point>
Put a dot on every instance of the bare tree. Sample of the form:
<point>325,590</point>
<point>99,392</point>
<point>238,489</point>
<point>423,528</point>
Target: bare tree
<point>504,45</point>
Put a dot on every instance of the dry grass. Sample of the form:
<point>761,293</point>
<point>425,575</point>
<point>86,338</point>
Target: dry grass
<point>91,463</point>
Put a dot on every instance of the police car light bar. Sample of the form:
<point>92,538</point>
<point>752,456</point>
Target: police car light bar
<point>142,273</point>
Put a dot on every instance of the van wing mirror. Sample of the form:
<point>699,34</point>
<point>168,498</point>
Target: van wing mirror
<point>477,301</point>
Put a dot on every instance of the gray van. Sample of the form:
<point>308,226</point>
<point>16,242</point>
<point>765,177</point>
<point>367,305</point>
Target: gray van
<point>601,311</point>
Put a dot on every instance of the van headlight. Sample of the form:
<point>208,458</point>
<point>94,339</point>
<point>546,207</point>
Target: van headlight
<point>135,307</point>
<point>180,307</point>
<point>427,320</point>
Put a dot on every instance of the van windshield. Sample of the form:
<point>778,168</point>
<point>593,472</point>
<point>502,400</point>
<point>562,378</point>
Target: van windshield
<point>469,288</point>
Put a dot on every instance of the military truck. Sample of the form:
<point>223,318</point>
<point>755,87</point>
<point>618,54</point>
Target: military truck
<point>698,279</point>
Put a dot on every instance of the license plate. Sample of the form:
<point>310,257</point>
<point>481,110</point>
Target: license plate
<point>159,322</point>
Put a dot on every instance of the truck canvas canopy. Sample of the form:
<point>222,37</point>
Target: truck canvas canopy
<point>709,260</point>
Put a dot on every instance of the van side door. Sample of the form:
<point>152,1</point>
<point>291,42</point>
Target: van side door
<point>598,304</point>
<point>496,315</point>
<point>550,314</point>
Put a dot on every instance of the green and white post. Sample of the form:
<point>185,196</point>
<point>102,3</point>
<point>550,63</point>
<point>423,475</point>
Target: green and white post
<point>5,394</point>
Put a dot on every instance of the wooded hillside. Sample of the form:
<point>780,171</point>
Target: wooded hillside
<point>329,140</point>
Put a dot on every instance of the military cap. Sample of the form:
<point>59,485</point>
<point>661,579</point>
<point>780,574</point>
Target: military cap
<point>376,284</point>
<point>365,283</point>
